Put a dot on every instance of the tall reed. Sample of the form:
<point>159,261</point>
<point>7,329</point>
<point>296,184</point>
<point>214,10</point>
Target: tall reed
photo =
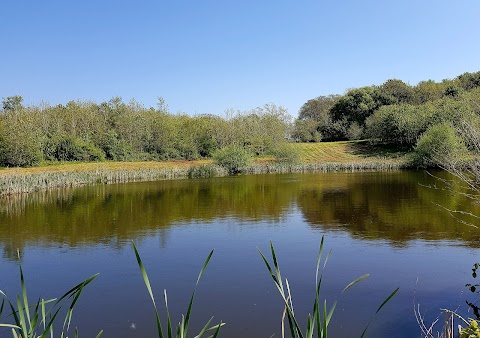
<point>320,318</point>
<point>39,322</point>
<point>182,328</point>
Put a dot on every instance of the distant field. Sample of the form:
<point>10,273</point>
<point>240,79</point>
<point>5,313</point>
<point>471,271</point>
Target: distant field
<point>347,151</point>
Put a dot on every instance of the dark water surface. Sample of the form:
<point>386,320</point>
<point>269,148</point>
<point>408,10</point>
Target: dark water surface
<point>384,224</point>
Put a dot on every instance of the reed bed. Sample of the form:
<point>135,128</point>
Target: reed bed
<point>26,183</point>
<point>267,168</point>
<point>22,182</point>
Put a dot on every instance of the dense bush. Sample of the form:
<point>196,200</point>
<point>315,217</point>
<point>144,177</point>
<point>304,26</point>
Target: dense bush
<point>114,130</point>
<point>438,145</point>
<point>72,148</point>
<point>287,154</point>
<point>233,158</point>
<point>398,124</point>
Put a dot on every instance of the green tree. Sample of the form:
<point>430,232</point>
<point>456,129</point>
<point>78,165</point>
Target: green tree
<point>469,81</point>
<point>12,103</point>
<point>358,104</point>
<point>399,91</point>
<point>426,91</point>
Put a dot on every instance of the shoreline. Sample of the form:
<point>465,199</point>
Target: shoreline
<point>14,181</point>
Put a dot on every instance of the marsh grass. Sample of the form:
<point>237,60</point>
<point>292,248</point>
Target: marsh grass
<point>319,320</point>
<point>206,171</point>
<point>182,327</point>
<point>26,182</point>
<point>273,167</point>
<point>312,157</point>
<point>37,320</point>
<point>18,184</point>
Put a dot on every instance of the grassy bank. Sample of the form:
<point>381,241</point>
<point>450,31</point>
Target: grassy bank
<point>314,157</point>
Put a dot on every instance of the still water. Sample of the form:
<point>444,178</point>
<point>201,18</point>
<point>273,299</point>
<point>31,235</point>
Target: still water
<point>386,224</point>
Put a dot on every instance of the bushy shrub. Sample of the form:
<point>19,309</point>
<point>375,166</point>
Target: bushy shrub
<point>287,154</point>
<point>399,124</point>
<point>438,145</point>
<point>69,148</point>
<point>116,148</point>
<point>233,158</point>
<point>19,153</point>
<point>306,131</point>
<point>355,131</point>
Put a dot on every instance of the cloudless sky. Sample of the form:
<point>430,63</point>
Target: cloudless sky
<point>207,56</point>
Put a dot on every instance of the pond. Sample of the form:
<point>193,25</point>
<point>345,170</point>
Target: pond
<point>389,225</point>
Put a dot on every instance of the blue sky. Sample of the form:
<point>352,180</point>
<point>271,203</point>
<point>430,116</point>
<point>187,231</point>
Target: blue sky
<point>208,56</point>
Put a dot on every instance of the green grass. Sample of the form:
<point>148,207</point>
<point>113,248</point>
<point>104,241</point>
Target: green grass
<point>349,152</point>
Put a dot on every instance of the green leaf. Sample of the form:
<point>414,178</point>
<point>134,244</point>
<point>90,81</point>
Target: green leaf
<point>149,289</point>
<point>359,279</point>
<point>378,310</point>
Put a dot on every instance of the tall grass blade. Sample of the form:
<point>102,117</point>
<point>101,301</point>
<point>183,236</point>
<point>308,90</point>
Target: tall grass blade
<point>169,322</point>
<point>75,289</point>
<point>378,310</point>
<point>49,325</point>
<point>294,326</point>
<point>44,321</point>
<point>21,314</point>
<point>10,325</point>
<point>189,310</point>
<point>268,267</point>
<point>326,258</point>
<point>387,299</point>
<point>289,300</point>
<point>359,279</point>
<point>319,259</point>
<point>275,263</point>
<point>204,329</point>
<point>325,324</point>
<point>204,266</point>
<point>24,296</point>
<point>99,334</point>
<point>182,327</point>
<point>217,329</point>
<point>149,289</point>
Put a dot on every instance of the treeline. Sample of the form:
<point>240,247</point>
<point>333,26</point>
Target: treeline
<point>119,131</point>
<point>429,118</point>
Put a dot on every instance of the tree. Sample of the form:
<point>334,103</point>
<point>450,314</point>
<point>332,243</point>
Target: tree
<point>469,81</point>
<point>306,130</point>
<point>426,91</point>
<point>358,104</point>
<point>12,103</point>
<point>318,109</point>
<point>398,90</point>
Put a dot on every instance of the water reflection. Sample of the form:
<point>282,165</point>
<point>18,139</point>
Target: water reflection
<point>390,206</point>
